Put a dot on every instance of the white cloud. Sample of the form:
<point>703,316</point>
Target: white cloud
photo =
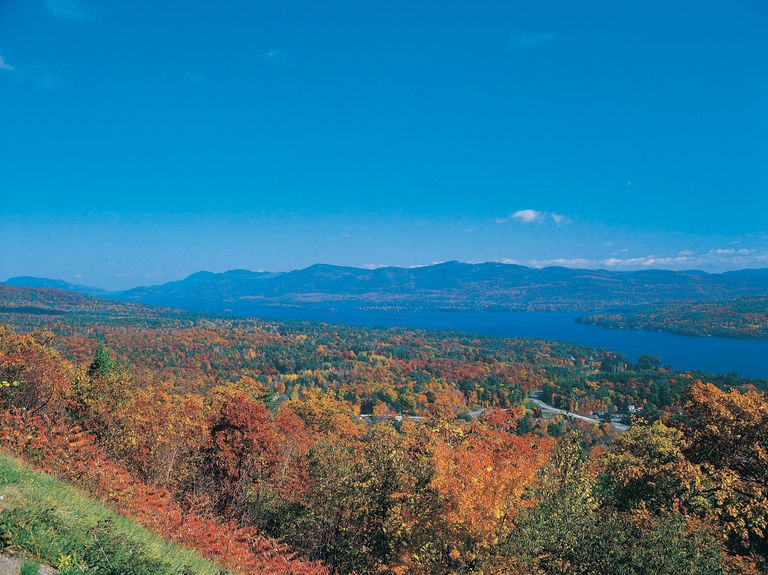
<point>271,54</point>
<point>528,216</point>
<point>41,77</point>
<point>534,216</point>
<point>654,261</point>
<point>731,251</point>
<point>562,262</point>
<point>713,260</point>
<point>717,258</point>
<point>68,9</point>
<point>643,261</point>
<point>33,73</point>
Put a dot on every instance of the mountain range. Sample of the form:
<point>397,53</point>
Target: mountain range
<point>46,283</point>
<point>446,286</point>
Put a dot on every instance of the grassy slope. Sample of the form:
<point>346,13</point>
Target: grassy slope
<point>51,522</point>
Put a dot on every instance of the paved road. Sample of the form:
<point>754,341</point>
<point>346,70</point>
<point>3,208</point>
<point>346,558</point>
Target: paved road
<point>551,409</point>
<point>535,401</point>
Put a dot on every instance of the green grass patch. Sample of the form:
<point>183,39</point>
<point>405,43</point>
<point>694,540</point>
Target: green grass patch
<point>29,568</point>
<point>51,522</point>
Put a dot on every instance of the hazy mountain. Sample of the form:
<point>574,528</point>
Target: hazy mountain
<point>37,301</point>
<point>33,282</point>
<point>447,286</point>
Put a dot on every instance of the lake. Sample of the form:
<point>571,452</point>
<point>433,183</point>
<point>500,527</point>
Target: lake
<point>748,358</point>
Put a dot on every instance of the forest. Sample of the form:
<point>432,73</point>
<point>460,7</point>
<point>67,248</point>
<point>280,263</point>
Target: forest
<point>745,317</point>
<point>308,448</point>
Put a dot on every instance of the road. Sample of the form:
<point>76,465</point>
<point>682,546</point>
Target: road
<point>534,401</point>
<point>551,409</point>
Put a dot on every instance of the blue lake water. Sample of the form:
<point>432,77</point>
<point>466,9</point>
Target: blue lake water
<point>748,358</point>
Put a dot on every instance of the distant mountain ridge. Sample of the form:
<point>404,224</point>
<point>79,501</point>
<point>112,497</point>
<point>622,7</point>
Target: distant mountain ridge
<point>46,283</point>
<point>446,286</point>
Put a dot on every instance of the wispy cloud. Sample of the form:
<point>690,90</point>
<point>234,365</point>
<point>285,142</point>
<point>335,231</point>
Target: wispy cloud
<point>41,77</point>
<point>717,258</point>
<point>34,74</point>
<point>68,9</point>
<point>271,54</point>
<point>529,216</point>
<point>522,217</point>
<point>527,41</point>
<point>562,262</point>
<point>5,65</point>
<point>712,260</point>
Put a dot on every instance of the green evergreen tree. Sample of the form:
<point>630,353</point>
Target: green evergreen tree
<point>102,363</point>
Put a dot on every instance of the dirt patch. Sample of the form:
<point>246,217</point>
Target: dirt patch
<point>12,566</point>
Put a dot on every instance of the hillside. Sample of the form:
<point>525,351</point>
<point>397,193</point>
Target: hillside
<point>52,523</point>
<point>48,307</point>
<point>35,282</point>
<point>743,318</point>
<point>56,301</point>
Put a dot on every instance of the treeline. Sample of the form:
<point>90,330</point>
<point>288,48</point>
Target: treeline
<point>744,317</point>
<point>385,370</point>
<point>643,389</point>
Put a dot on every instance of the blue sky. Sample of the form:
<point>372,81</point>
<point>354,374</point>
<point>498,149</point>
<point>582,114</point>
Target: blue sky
<point>143,141</point>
